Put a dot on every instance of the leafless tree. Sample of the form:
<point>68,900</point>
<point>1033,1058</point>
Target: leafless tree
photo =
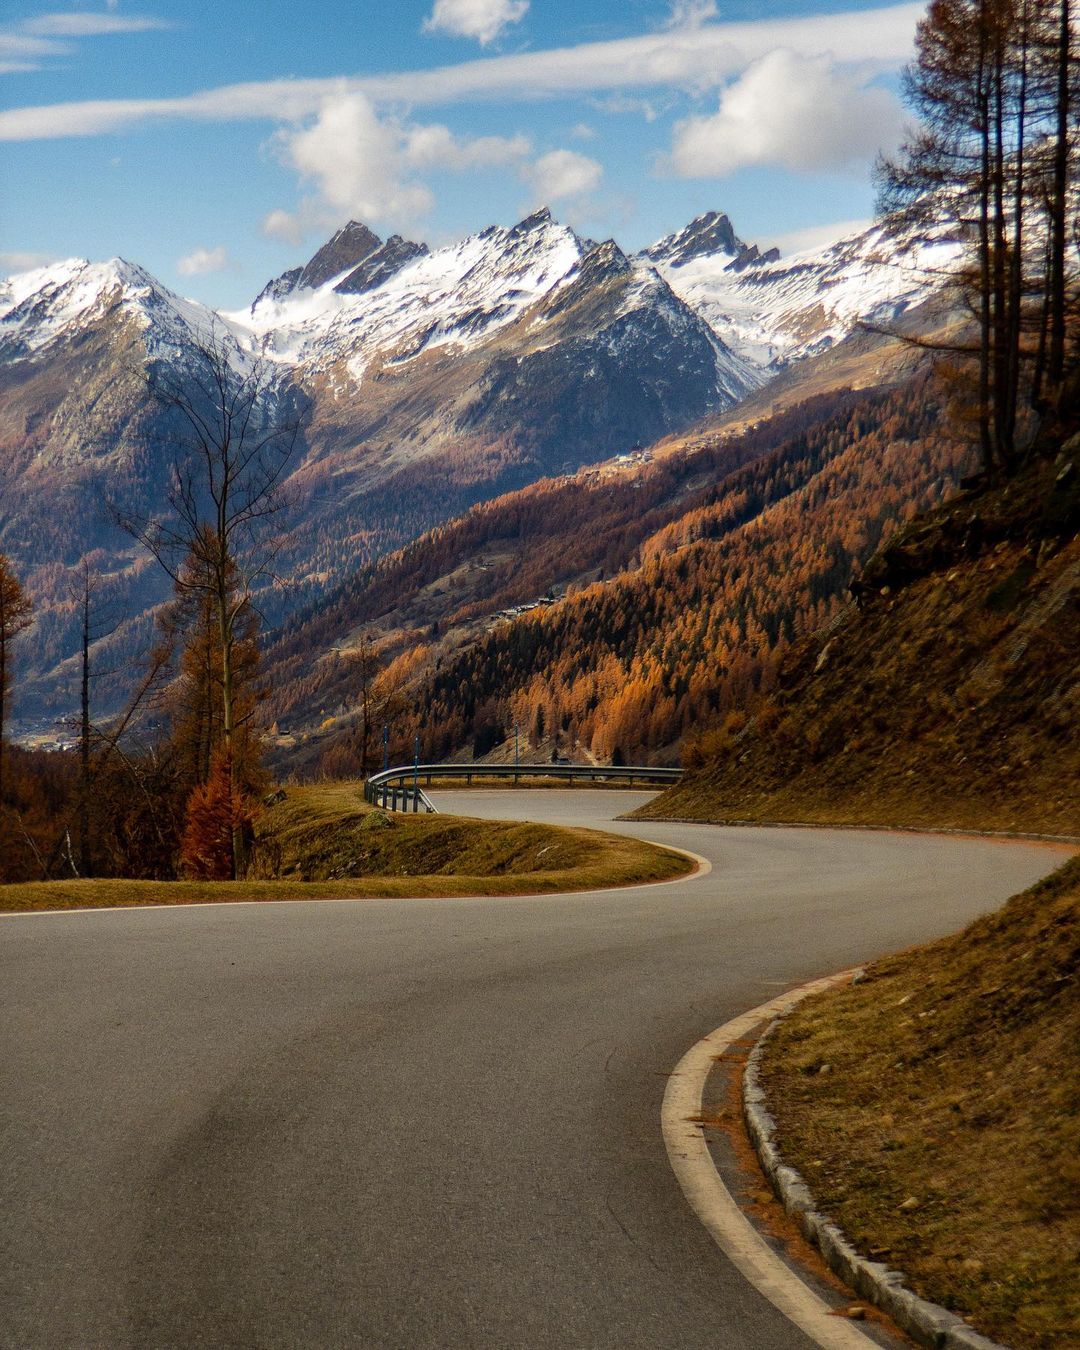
<point>994,85</point>
<point>237,437</point>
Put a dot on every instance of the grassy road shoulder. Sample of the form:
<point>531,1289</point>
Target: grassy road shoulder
<point>324,843</point>
<point>934,1110</point>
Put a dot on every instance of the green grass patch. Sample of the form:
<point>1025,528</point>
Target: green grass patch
<point>944,1137</point>
<point>323,842</point>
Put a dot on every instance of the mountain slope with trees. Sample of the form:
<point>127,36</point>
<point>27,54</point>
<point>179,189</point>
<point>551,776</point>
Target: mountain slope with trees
<point>949,696</point>
<point>680,583</point>
<point>429,381</point>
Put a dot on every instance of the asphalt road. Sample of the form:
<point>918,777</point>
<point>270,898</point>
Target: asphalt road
<point>415,1123</point>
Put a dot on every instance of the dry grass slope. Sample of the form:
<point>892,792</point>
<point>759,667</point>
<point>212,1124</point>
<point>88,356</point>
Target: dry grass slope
<point>945,1136</point>
<point>324,843</point>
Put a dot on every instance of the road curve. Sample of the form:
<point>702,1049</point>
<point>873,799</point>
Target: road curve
<point>416,1123</point>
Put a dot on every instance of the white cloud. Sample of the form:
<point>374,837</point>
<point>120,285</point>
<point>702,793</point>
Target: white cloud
<point>24,46</point>
<point>583,132</point>
<point>372,167</point>
<point>818,236</point>
<point>20,51</point>
<point>435,147</point>
<point>480,19</point>
<point>16,261</point>
<point>794,111</point>
<point>356,161</point>
<point>874,39</point>
<point>202,261</point>
<point>620,104</point>
<point>691,13</point>
<point>284,225</point>
<point>90,25</point>
<point>563,174</point>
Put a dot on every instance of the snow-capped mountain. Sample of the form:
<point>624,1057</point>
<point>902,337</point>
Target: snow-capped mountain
<point>774,311</point>
<point>51,305</point>
<point>456,295</point>
<point>709,236</point>
<point>432,379</point>
<point>356,259</point>
<point>388,305</point>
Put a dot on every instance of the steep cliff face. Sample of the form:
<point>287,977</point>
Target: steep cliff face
<point>949,695</point>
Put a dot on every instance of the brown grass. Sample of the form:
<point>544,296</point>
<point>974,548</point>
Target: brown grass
<point>324,843</point>
<point>953,1083</point>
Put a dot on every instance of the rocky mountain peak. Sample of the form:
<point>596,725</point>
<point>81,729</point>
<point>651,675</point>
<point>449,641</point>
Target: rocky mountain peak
<point>604,261</point>
<point>708,234</point>
<point>752,256</point>
<point>348,248</point>
<point>539,220</point>
<point>380,265</point>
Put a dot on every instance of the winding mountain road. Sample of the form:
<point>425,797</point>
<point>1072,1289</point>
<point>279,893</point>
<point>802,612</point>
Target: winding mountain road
<point>416,1123</point>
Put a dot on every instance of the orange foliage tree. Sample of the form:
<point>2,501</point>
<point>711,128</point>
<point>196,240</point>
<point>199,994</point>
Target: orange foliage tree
<point>215,815</point>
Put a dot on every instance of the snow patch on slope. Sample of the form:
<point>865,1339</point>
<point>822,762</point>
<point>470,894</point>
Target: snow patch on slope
<point>780,311</point>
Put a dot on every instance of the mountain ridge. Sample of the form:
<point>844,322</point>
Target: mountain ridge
<point>433,380</point>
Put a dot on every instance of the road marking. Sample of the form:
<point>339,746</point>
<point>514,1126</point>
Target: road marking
<point>704,866</point>
<point>714,1204</point>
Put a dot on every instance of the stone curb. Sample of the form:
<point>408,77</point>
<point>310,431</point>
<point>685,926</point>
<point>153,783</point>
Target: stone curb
<point>929,1324</point>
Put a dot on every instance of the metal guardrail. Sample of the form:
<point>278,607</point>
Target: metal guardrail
<point>400,789</point>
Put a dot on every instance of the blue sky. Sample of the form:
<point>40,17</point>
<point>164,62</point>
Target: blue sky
<point>218,143</point>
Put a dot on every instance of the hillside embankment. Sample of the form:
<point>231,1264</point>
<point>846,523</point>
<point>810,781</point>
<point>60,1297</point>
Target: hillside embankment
<point>947,695</point>
<point>322,842</point>
<point>934,1110</point>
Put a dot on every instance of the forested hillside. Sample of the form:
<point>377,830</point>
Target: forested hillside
<point>680,584</point>
<point>949,696</point>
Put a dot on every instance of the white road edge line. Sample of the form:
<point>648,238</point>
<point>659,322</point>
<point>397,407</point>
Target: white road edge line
<point>714,1204</point>
<point>704,867</point>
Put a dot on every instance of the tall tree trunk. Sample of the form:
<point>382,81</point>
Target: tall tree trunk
<point>986,442</point>
<point>1038,377</point>
<point>1059,207</point>
<point>84,738</point>
<point>223,599</point>
<point>1001,360</point>
<point>1016,270</point>
<point>228,730</point>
